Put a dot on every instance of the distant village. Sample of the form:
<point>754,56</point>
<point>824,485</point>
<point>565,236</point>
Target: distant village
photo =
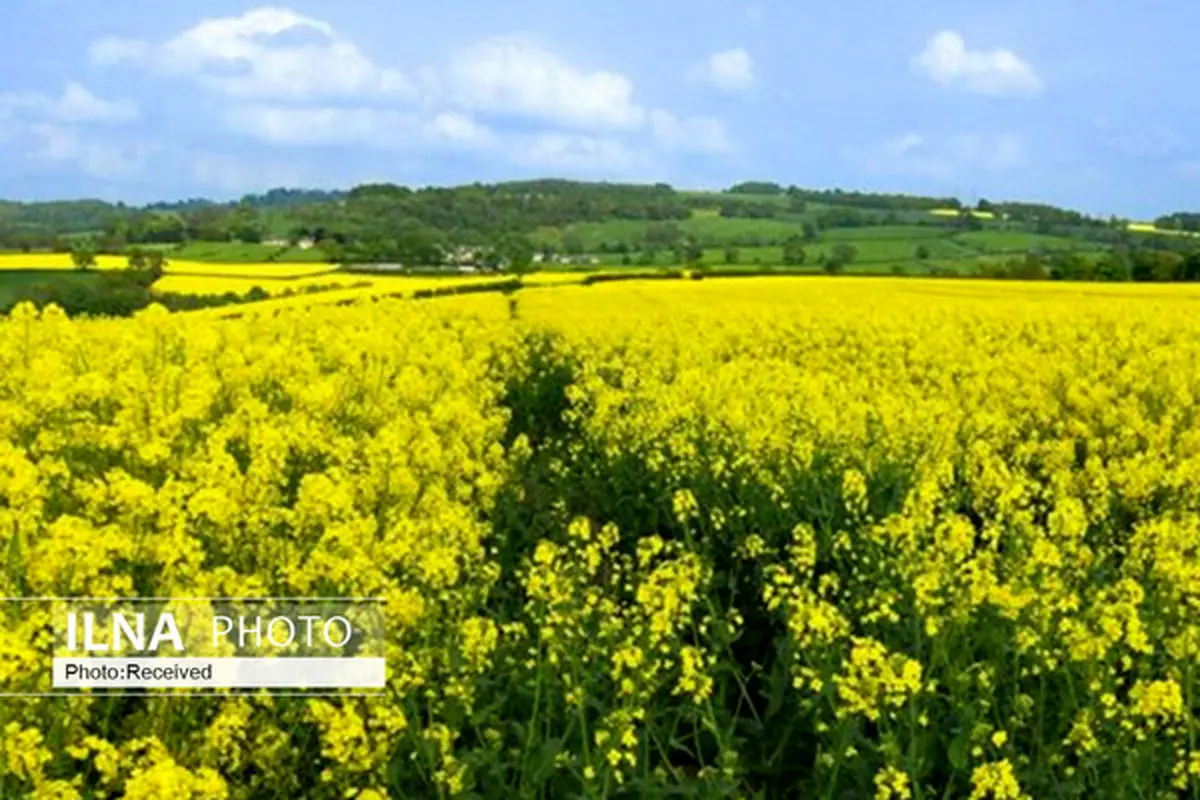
<point>463,259</point>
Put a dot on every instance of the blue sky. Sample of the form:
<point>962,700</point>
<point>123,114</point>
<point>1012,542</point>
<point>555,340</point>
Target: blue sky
<point>139,101</point>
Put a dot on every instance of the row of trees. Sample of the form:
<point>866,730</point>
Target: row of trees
<point>1147,265</point>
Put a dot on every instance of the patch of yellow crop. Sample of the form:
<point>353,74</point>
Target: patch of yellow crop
<point>213,285</point>
<point>1148,227</point>
<point>954,212</point>
<point>778,536</point>
<point>55,261</point>
<point>268,271</point>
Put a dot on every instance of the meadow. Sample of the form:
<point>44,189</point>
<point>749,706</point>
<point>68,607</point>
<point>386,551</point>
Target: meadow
<point>756,537</point>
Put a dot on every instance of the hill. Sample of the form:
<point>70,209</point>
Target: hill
<point>564,224</point>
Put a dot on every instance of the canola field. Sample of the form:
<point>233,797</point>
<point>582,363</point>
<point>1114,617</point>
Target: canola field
<point>766,537</point>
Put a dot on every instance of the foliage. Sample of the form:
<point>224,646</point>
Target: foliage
<point>83,255</point>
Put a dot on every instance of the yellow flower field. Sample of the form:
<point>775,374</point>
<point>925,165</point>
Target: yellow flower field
<point>1149,227</point>
<point>62,261</point>
<point>757,537</point>
<point>264,270</point>
<point>241,284</point>
<point>241,278</point>
<point>55,261</point>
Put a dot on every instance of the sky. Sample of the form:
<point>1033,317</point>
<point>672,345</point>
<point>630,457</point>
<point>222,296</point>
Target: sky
<point>1086,107</point>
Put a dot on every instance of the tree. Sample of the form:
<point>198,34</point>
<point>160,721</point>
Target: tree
<point>1191,266</point>
<point>811,234</point>
<point>83,256</point>
<point>160,227</point>
<point>137,258</point>
<point>968,221</point>
<point>690,252</point>
<point>1157,265</point>
<point>841,257</point>
<point>572,243</point>
<point>756,187</point>
<point>793,251</point>
<point>663,235</point>
<point>922,252</point>
<point>156,263</point>
<point>732,256</point>
<point>516,253</point>
<point>1115,266</point>
<point>1066,265</point>
<point>1032,268</point>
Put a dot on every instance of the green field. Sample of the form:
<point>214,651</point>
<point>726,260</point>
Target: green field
<point>12,282</point>
<point>239,253</point>
<point>999,241</point>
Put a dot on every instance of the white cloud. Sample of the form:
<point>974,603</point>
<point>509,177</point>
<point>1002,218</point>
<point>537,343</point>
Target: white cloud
<point>729,70</point>
<point>286,79</point>
<point>992,152</point>
<point>941,158</point>
<point>596,155</point>
<point>515,75</point>
<point>454,127</point>
<point>115,49</point>
<point>266,52</point>
<point>376,127</point>
<point>947,61</point>
<point>693,134</point>
<point>237,174</point>
<point>75,104</point>
<point>307,125</point>
<point>60,145</point>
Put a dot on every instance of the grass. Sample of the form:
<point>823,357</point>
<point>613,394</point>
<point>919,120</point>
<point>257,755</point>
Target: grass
<point>237,252</point>
<point>12,283</point>
<point>998,241</point>
<point>909,232</point>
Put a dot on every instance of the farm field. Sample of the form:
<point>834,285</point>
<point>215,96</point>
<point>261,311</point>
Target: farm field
<point>55,261</point>
<point>337,286</point>
<point>236,252</point>
<point>734,537</point>
<point>12,283</point>
<point>1149,227</point>
<point>1019,241</point>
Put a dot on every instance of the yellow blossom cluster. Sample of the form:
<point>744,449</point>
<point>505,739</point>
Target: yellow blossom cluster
<point>750,537</point>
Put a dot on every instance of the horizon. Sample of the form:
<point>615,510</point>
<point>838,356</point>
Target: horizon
<point>141,103</point>
<point>235,198</point>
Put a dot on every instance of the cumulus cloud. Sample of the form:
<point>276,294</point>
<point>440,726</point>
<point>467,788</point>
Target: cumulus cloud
<point>517,75</point>
<point>728,71</point>
<point>942,158</point>
<point>693,134</point>
<point>384,128</point>
<point>290,80</point>
<point>64,145</point>
<point>266,52</point>
<point>76,105</point>
<point>581,154</point>
<point>454,127</point>
<point>947,60</point>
